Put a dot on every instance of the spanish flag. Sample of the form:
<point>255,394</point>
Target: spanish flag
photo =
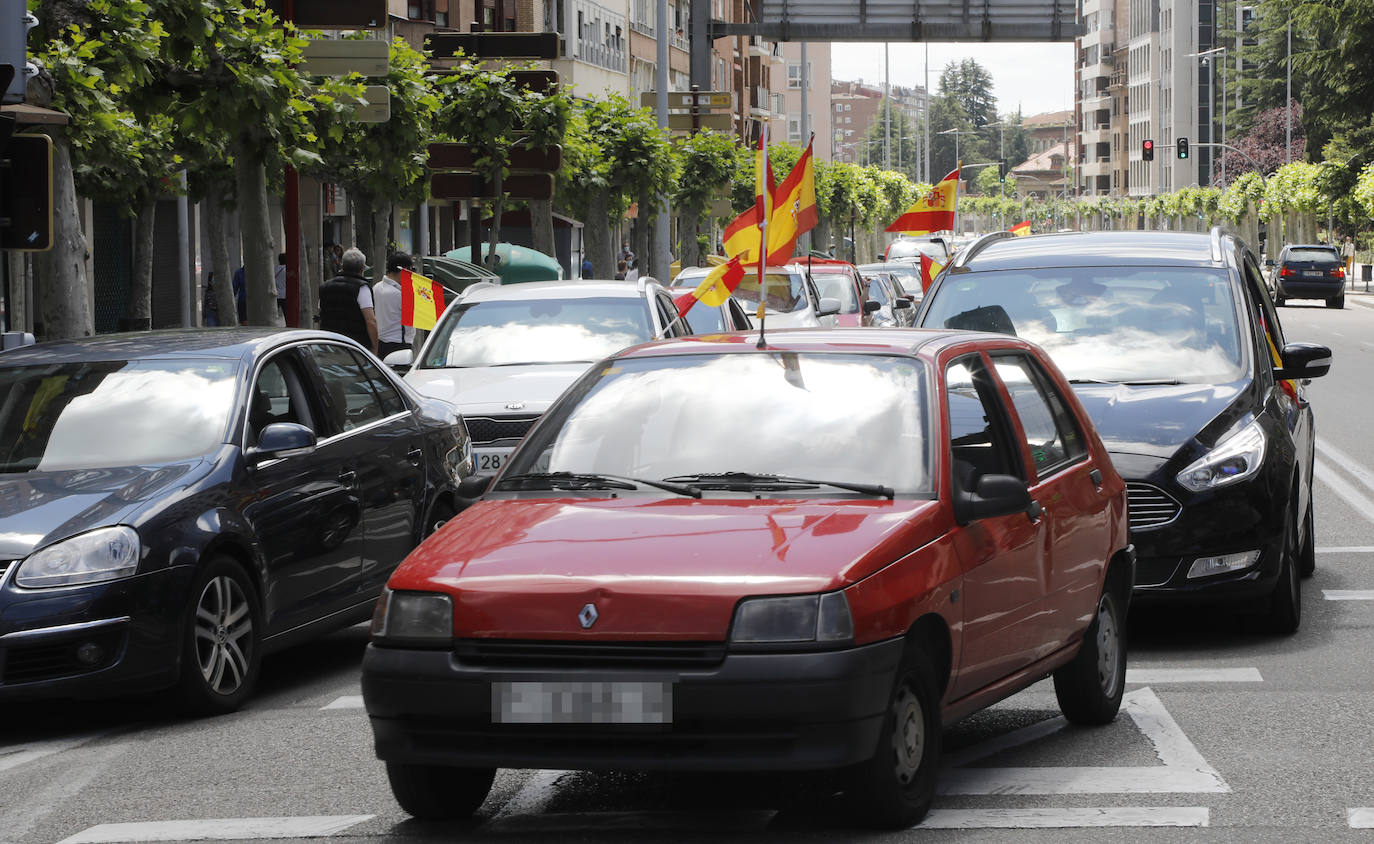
<point>934,212</point>
<point>742,236</point>
<point>929,269</point>
<point>794,209</point>
<point>719,283</point>
<point>1021,229</point>
<point>422,300</point>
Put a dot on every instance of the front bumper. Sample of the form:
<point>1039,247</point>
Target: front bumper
<point>752,711</point>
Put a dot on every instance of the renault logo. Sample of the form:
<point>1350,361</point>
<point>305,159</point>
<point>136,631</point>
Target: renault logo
<point>588,616</point>
<point>515,405</point>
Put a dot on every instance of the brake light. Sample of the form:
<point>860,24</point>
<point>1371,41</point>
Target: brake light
<point>1338,272</point>
<point>1287,271</point>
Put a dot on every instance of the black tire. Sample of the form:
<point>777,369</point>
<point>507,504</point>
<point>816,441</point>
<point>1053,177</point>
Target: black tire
<point>221,640</point>
<point>1285,603</point>
<point>433,792</point>
<point>1338,302</point>
<point>894,789</point>
<point>1307,552</point>
<point>1279,300</point>
<point>1089,688</point>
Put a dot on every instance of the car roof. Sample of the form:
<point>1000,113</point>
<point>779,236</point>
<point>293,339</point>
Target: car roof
<point>885,341</point>
<point>1091,249</point>
<point>1326,246</point>
<point>569,289</point>
<point>234,343</point>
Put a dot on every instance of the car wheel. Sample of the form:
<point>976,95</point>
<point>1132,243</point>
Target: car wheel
<point>1089,688</point>
<point>221,640</point>
<point>1285,603</point>
<point>894,788</point>
<point>1278,301</point>
<point>440,513</point>
<point>1338,302</point>
<point>435,792</point>
<point>1307,553</point>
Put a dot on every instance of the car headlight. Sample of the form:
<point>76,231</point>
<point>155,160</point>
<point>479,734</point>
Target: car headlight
<point>798,619</point>
<point>99,555</point>
<point>413,617</point>
<point>1238,456</point>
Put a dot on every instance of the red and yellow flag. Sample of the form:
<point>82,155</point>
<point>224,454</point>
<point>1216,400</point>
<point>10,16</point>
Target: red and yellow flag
<point>1021,229</point>
<point>929,269</point>
<point>794,209</point>
<point>422,300</point>
<point>934,212</point>
<point>719,283</point>
<point>742,236</point>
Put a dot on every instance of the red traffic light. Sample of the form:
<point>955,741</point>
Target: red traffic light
<point>1147,150</point>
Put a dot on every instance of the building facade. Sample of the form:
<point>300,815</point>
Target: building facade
<point>855,106</point>
<point>816,78</point>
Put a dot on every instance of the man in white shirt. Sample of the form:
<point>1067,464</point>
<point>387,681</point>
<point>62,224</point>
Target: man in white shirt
<point>386,294</point>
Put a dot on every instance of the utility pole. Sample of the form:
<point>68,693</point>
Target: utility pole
<point>662,251</point>
<point>887,105</point>
<point>806,121</point>
<point>925,169</point>
<point>1288,101</point>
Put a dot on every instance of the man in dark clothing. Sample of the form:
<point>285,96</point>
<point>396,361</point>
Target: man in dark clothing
<point>346,302</point>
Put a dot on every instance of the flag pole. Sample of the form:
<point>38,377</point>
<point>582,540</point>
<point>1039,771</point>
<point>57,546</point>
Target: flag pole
<point>763,230</point>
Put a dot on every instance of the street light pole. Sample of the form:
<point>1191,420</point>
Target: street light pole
<point>1288,101</point>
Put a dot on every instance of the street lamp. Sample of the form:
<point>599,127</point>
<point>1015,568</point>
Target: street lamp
<point>1206,56</point>
<point>956,133</point>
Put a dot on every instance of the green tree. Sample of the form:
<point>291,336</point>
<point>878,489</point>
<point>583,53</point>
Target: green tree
<point>894,129</point>
<point>946,115</point>
<point>1338,70</point>
<point>971,84</point>
<point>581,190</point>
<point>708,162</point>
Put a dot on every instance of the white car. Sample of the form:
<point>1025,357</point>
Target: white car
<point>793,301</point>
<point>503,353</point>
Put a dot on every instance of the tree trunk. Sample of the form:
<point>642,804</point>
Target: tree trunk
<point>820,235</point>
<point>596,236</point>
<point>220,268</point>
<point>308,287</point>
<point>381,222</point>
<point>64,304</point>
<point>141,285</point>
<point>688,227</point>
<point>642,244</point>
<point>541,228</point>
<point>362,223</point>
<point>497,208</point>
<point>259,257</point>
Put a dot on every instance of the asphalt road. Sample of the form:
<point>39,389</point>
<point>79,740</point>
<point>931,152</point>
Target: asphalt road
<point>1227,734</point>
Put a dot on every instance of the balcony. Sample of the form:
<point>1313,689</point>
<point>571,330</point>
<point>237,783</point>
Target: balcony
<point>760,102</point>
<point>598,35</point>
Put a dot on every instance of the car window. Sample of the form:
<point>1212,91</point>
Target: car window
<point>838,286</point>
<point>278,396</point>
<point>350,397</point>
<point>387,393</point>
<point>667,315</point>
<point>1051,434</point>
<point>1269,327</point>
<point>977,439</point>
<point>1328,256</point>
<point>739,320</point>
<point>876,290</point>
<point>509,332</point>
<point>704,319</point>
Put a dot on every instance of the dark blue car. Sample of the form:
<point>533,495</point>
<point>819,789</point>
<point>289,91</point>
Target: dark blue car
<point>174,505</point>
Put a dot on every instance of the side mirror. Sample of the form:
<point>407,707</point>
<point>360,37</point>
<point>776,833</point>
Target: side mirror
<point>1303,360</point>
<point>1269,262</point>
<point>872,305</point>
<point>827,307</point>
<point>997,495</point>
<point>281,439</point>
<point>901,302</point>
<point>473,486</point>
<point>399,360</point>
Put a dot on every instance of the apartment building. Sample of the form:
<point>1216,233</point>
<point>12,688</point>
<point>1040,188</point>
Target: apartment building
<point>1098,106</point>
<point>855,106</point>
<point>816,79</point>
<point>1169,91</point>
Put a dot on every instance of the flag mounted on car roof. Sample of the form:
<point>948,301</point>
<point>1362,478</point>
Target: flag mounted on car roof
<point>1021,229</point>
<point>422,300</point>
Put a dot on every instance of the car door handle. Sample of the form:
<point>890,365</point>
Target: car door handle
<point>1035,511</point>
<point>347,477</point>
<point>415,454</point>
<point>1096,477</point>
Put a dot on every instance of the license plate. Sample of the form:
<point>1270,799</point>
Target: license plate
<point>491,460</point>
<point>1314,273</point>
<point>581,702</point>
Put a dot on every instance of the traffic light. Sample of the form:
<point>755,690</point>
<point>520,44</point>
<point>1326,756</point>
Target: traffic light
<point>1002,169</point>
<point>26,193</point>
<point>1181,147</point>
<point>1147,150</point>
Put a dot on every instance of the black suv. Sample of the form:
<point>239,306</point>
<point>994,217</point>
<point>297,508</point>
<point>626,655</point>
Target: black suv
<point>1174,348</point>
<point>1310,272</point>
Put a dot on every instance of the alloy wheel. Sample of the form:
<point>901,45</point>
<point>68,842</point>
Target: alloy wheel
<point>223,635</point>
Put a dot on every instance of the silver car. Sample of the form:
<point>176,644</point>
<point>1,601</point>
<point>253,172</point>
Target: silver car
<point>792,300</point>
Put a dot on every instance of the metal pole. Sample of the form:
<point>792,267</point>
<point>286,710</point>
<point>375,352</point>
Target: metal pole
<point>806,121</point>
<point>662,250</point>
<point>188,287</point>
<point>925,169</point>
<point>1288,101</point>
<point>1223,118</point>
<point>291,220</point>
<point>887,106</point>
<point>1211,116</point>
<point>699,28</point>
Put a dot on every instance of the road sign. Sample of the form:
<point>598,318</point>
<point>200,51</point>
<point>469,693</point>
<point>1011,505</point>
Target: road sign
<point>335,14</point>
<point>723,122</point>
<point>378,107</point>
<point>470,185</point>
<point>690,99</point>
<point>26,194</point>
<point>333,57</point>
<point>463,157</point>
<point>534,81</point>
<point>493,45</point>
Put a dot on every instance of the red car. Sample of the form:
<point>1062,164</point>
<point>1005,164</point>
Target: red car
<point>808,556</point>
<point>841,280</point>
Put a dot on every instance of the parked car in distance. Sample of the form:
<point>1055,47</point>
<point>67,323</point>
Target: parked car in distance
<point>907,274</point>
<point>1310,272</point>
<point>840,280</point>
<point>894,310</point>
<point>636,591</point>
<point>934,246</point>
<point>175,505</point>
<point>1172,343</point>
<point>503,353</point>
<point>791,299</point>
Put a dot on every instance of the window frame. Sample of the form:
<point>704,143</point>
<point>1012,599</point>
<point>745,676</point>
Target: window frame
<point>989,389</point>
<point>1058,408</point>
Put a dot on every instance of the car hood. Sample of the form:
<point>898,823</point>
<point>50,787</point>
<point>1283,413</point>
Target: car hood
<point>39,508</point>
<point>654,568</point>
<point>491,389</point>
<point>1153,419</point>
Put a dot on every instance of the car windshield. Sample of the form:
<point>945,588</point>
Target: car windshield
<point>829,417</point>
<point>786,292</point>
<point>508,332</point>
<point>1126,324</point>
<point>837,286</point>
<point>1327,256</point>
<point>112,413</point>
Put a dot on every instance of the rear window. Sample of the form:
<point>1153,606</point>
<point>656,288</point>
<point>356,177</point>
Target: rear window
<point>1319,255</point>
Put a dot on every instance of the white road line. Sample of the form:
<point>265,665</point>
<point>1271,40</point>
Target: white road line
<point>1361,503</point>
<point>13,757</point>
<point>537,792</point>
<point>225,829</point>
<point>1347,549</point>
<point>1360,818</point>
<point>1065,818</point>
<point>1348,594</point>
<point>19,821</point>
<point>344,702</point>
<point>1183,769</point>
<point>1193,675</point>
<point>1346,462</point>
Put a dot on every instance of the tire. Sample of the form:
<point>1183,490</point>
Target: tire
<point>1089,688</point>
<point>433,792</point>
<point>221,640</point>
<point>1278,301</point>
<point>1285,603</point>
<point>1338,302</point>
<point>894,789</point>
<point>1307,552</point>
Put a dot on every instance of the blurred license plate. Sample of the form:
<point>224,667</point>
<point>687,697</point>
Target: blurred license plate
<point>1317,273</point>
<point>581,702</point>
<point>491,460</point>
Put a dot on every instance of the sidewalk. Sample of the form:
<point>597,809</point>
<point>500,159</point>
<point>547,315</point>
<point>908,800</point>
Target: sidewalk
<point>1357,289</point>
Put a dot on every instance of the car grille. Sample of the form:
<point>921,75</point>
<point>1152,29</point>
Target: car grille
<point>1150,506</point>
<point>4,567</point>
<point>51,661</point>
<point>488,429</point>
<point>531,654</point>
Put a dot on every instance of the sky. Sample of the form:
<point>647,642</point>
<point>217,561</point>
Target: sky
<point>1037,76</point>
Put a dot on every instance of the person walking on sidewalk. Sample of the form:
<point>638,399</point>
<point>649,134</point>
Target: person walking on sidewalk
<point>392,336</point>
<point>346,302</point>
<point>1348,251</point>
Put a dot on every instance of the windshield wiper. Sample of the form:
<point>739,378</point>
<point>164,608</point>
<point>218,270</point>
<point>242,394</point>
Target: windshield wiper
<point>1150,382</point>
<point>591,480</point>
<point>752,480</point>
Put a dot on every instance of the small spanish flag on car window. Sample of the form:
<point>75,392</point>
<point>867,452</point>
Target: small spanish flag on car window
<point>422,300</point>
<point>929,269</point>
<point>719,283</point>
<point>1021,229</point>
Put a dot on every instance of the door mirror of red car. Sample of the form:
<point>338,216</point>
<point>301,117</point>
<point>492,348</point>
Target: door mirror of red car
<point>281,439</point>
<point>997,495</point>
<point>872,305</point>
<point>1303,360</point>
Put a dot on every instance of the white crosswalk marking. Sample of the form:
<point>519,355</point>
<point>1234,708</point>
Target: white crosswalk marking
<point>225,829</point>
<point>344,702</point>
<point>1139,816</point>
<point>1193,675</point>
<point>1348,594</point>
<point>13,757</point>
<point>1360,818</point>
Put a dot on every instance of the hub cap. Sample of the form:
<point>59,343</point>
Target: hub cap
<point>224,624</point>
<point>1108,647</point>
<point>908,735</point>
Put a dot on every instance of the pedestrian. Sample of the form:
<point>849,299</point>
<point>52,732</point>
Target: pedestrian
<point>620,270</point>
<point>346,302</point>
<point>241,295</point>
<point>392,336</point>
<point>1348,251</point>
<point>209,303</point>
<point>587,268</point>
<point>632,274</point>
<point>280,280</point>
